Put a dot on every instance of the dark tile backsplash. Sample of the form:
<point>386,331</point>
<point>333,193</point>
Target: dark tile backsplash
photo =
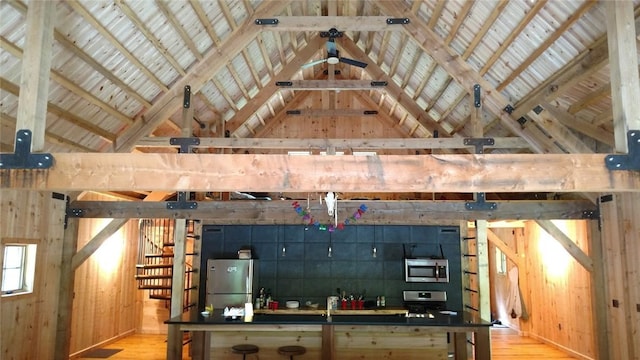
<point>306,273</point>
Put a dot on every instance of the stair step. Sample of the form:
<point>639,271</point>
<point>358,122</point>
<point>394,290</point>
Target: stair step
<point>154,287</point>
<point>164,255</point>
<point>151,277</point>
<point>154,266</point>
<point>160,297</point>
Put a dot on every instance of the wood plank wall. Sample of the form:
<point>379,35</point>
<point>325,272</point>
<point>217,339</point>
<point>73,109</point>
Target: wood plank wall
<point>28,321</point>
<point>620,214</point>
<point>106,303</point>
<point>555,287</point>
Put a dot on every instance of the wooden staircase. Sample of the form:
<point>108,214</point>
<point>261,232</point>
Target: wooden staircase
<point>154,269</point>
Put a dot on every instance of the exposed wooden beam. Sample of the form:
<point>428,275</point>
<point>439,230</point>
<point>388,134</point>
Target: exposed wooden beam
<point>329,85</point>
<point>387,143</point>
<point>284,173</point>
<point>324,23</point>
<point>567,244</point>
<point>623,63</point>
<point>500,244</point>
<point>10,122</point>
<point>580,126</point>
<point>378,212</point>
<point>198,75</point>
<point>395,91</point>
<point>334,112</point>
<point>83,254</point>
<point>457,68</point>
<point>36,64</point>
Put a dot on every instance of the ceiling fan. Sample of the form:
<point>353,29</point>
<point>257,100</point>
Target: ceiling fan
<point>333,55</point>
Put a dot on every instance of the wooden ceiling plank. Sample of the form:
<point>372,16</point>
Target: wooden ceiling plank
<point>593,97</point>
<point>461,71</point>
<point>265,55</point>
<point>341,173</point>
<point>384,118</point>
<point>10,122</point>
<point>204,20</point>
<point>407,76</point>
<point>62,113</point>
<point>238,81</point>
<point>175,24</point>
<point>399,55</point>
<point>36,64</point>
<point>200,73</point>
<point>378,212</point>
<point>71,86</point>
<point>437,96</point>
<point>460,17</point>
<point>425,79</point>
<point>280,47</point>
<point>383,48</point>
<point>537,6</point>
<point>437,12</point>
<point>487,24</point>
<point>252,69</point>
<point>227,14</point>
<point>221,88</point>
<point>558,131</point>
<point>623,65</point>
<point>393,90</point>
<point>88,17</point>
<point>302,56</point>
<point>298,98</point>
<point>144,29</point>
<point>547,43</point>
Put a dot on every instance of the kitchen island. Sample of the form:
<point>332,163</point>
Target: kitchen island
<point>361,334</point>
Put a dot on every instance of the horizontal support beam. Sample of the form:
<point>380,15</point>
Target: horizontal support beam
<point>354,144</point>
<point>378,212</point>
<point>332,112</point>
<point>340,173</point>
<point>330,85</point>
<point>324,23</point>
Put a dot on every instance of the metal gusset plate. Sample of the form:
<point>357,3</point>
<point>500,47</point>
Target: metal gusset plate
<point>23,158</point>
<point>185,144</point>
<point>480,204</point>
<point>182,203</point>
<point>480,143</point>
<point>630,161</point>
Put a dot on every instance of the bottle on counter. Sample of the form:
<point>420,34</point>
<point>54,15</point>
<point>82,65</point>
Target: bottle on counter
<point>383,302</point>
<point>377,301</point>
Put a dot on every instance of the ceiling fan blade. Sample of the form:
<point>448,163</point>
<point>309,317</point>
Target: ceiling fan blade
<point>308,65</point>
<point>353,62</point>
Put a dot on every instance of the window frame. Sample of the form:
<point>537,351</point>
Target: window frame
<point>27,265</point>
<point>501,262</point>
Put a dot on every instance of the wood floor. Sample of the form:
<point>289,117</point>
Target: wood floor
<point>505,344</point>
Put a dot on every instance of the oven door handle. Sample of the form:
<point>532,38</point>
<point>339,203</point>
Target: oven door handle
<point>437,272</point>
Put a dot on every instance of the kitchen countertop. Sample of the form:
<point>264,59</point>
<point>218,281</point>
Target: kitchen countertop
<point>388,317</point>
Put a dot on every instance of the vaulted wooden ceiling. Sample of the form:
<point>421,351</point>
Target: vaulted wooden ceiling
<point>119,70</point>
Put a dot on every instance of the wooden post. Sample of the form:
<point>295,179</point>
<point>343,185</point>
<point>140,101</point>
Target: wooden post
<point>65,297</point>
<point>174,341</point>
<point>598,293</point>
<point>484,288</point>
<point>623,63</point>
<point>36,64</point>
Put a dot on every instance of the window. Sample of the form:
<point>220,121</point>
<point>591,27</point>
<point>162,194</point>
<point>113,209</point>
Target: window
<point>18,268</point>
<point>501,262</point>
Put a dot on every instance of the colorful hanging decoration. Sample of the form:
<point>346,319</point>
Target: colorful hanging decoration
<point>308,218</point>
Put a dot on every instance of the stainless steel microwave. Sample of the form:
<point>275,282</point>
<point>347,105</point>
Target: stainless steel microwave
<point>426,270</point>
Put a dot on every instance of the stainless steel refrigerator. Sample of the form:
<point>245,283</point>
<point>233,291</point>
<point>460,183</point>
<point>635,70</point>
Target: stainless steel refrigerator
<point>230,282</point>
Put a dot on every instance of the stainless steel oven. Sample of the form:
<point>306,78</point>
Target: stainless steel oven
<point>426,270</point>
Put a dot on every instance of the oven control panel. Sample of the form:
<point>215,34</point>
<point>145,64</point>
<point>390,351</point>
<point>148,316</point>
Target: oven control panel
<point>424,295</point>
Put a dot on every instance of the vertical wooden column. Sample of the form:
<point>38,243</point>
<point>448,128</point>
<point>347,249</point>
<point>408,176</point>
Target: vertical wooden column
<point>174,341</point>
<point>523,279</point>
<point>36,64</point>
<point>65,297</point>
<point>484,290</point>
<point>598,295</point>
<point>623,63</point>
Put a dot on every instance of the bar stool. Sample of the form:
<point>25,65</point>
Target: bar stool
<point>244,349</point>
<point>291,350</point>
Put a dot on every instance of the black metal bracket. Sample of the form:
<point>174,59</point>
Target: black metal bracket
<point>23,158</point>
<point>332,33</point>
<point>476,95</point>
<point>182,203</point>
<point>379,83</point>
<point>396,21</point>
<point>266,21</point>
<point>538,109</point>
<point>284,83</point>
<point>591,214</point>
<point>479,143</point>
<point>522,120</point>
<point>509,109</point>
<point>480,203</point>
<point>630,161</point>
<point>185,144</point>
<point>294,112</point>
<point>371,112</point>
<point>186,100</point>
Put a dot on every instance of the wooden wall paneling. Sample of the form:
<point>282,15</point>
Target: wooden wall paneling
<point>560,307</point>
<point>621,232</point>
<point>500,285</point>
<point>598,292</point>
<point>174,341</point>
<point>520,240</point>
<point>65,297</point>
<point>32,217</point>
<point>105,291</point>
